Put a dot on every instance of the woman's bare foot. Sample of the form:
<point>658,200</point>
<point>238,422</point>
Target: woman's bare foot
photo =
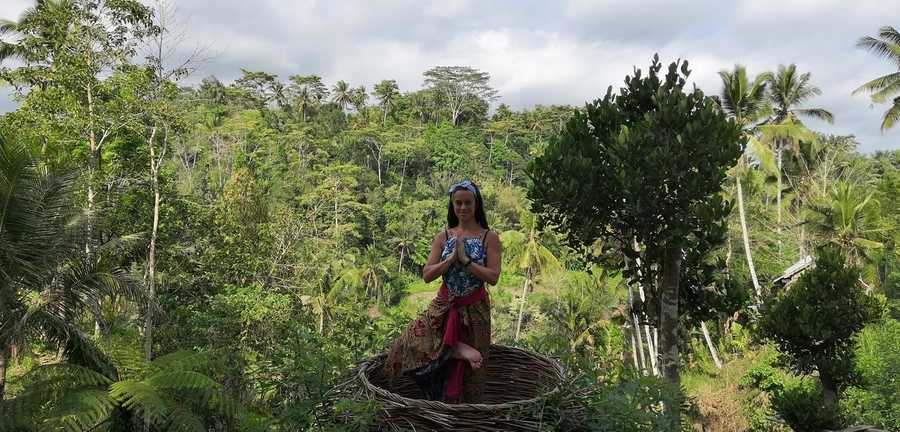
<point>466,352</point>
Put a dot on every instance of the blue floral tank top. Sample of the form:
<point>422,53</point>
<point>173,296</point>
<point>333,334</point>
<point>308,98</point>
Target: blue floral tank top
<point>457,278</point>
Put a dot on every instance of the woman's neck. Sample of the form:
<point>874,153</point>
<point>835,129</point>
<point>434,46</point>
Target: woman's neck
<point>472,227</point>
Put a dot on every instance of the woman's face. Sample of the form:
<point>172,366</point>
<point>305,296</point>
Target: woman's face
<point>464,205</point>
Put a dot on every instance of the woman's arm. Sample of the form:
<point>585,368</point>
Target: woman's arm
<point>434,267</point>
<point>490,271</point>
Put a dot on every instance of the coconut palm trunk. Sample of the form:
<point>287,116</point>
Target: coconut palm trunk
<point>746,237</point>
<point>709,344</point>
<point>522,305</point>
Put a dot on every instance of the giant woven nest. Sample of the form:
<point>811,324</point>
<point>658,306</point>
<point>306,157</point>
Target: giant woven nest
<point>516,381</point>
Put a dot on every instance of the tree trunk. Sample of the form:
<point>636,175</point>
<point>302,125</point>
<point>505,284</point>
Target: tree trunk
<point>729,250</point>
<point>4,358</point>
<point>829,389</point>
<point>668,324</point>
<point>746,236</point>
<point>93,167</point>
<point>712,348</point>
<point>634,349</point>
<point>151,256</point>
<point>668,317</point>
<point>652,347</point>
<point>778,157</point>
<point>522,306</point>
<point>639,348</point>
<point>322,312</point>
<point>403,175</point>
<point>400,267</point>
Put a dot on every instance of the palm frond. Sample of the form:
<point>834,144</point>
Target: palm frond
<point>880,48</point>
<point>891,116</point>
<point>888,92</point>
<point>143,398</point>
<point>182,361</point>
<point>79,411</point>
<point>879,83</point>
<point>818,113</point>
<point>181,420</point>
<point>763,154</point>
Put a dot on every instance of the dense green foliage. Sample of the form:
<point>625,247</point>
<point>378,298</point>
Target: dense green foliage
<point>218,256</point>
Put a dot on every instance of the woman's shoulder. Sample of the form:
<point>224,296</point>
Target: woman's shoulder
<point>442,235</point>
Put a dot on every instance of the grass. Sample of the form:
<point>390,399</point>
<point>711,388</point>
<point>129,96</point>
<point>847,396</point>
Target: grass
<point>723,405</point>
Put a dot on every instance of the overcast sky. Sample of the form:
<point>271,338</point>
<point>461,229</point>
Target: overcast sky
<point>548,52</point>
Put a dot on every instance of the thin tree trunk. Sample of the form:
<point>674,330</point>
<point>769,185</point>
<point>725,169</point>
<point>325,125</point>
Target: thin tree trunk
<point>668,317</point>
<point>4,358</point>
<point>634,350</point>
<point>652,347</point>
<point>322,311</point>
<point>403,175</point>
<point>522,306</point>
<point>712,348</point>
<point>93,167</point>
<point>729,250</point>
<point>639,348</point>
<point>746,237</point>
<point>802,241</point>
<point>400,267</point>
<point>151,258</point>
<point>778,198</point>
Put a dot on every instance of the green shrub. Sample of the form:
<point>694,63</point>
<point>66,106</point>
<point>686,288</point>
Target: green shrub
<point>877,400</point>
<point>815,321</point>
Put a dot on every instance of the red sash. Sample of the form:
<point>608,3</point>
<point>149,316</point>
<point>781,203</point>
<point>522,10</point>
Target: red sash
<point>452,336</point>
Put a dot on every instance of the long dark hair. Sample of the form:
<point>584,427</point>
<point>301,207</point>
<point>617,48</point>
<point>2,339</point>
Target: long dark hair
<point>480,217</point>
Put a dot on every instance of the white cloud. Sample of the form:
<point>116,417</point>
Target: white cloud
<point>550,52</point>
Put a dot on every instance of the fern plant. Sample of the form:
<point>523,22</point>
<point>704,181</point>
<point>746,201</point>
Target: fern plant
<point>174,393</point>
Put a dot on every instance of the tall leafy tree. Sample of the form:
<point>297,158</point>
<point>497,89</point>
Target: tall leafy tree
<point>886,45</point>
<point>646,164</point>
<point>67,47</point>
<point>459,88</point>
<point>306,92</point>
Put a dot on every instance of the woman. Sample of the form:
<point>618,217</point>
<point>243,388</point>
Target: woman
<point>445,348</point>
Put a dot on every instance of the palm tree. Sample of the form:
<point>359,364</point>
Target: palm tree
<point>342,94</point>
<point>386,91</point>
<point>745,102</point>
<point>303,101</point>
<point>46,278</point>
<point>525,252</point>
<point>359,97</point>
<point>849,218</point>
<point>884,87</point>
<point>788,90</point>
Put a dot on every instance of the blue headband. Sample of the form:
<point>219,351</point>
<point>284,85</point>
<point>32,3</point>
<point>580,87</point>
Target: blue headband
<point>463,185</point>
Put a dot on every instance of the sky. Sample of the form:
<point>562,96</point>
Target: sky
<point>546,52</point>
